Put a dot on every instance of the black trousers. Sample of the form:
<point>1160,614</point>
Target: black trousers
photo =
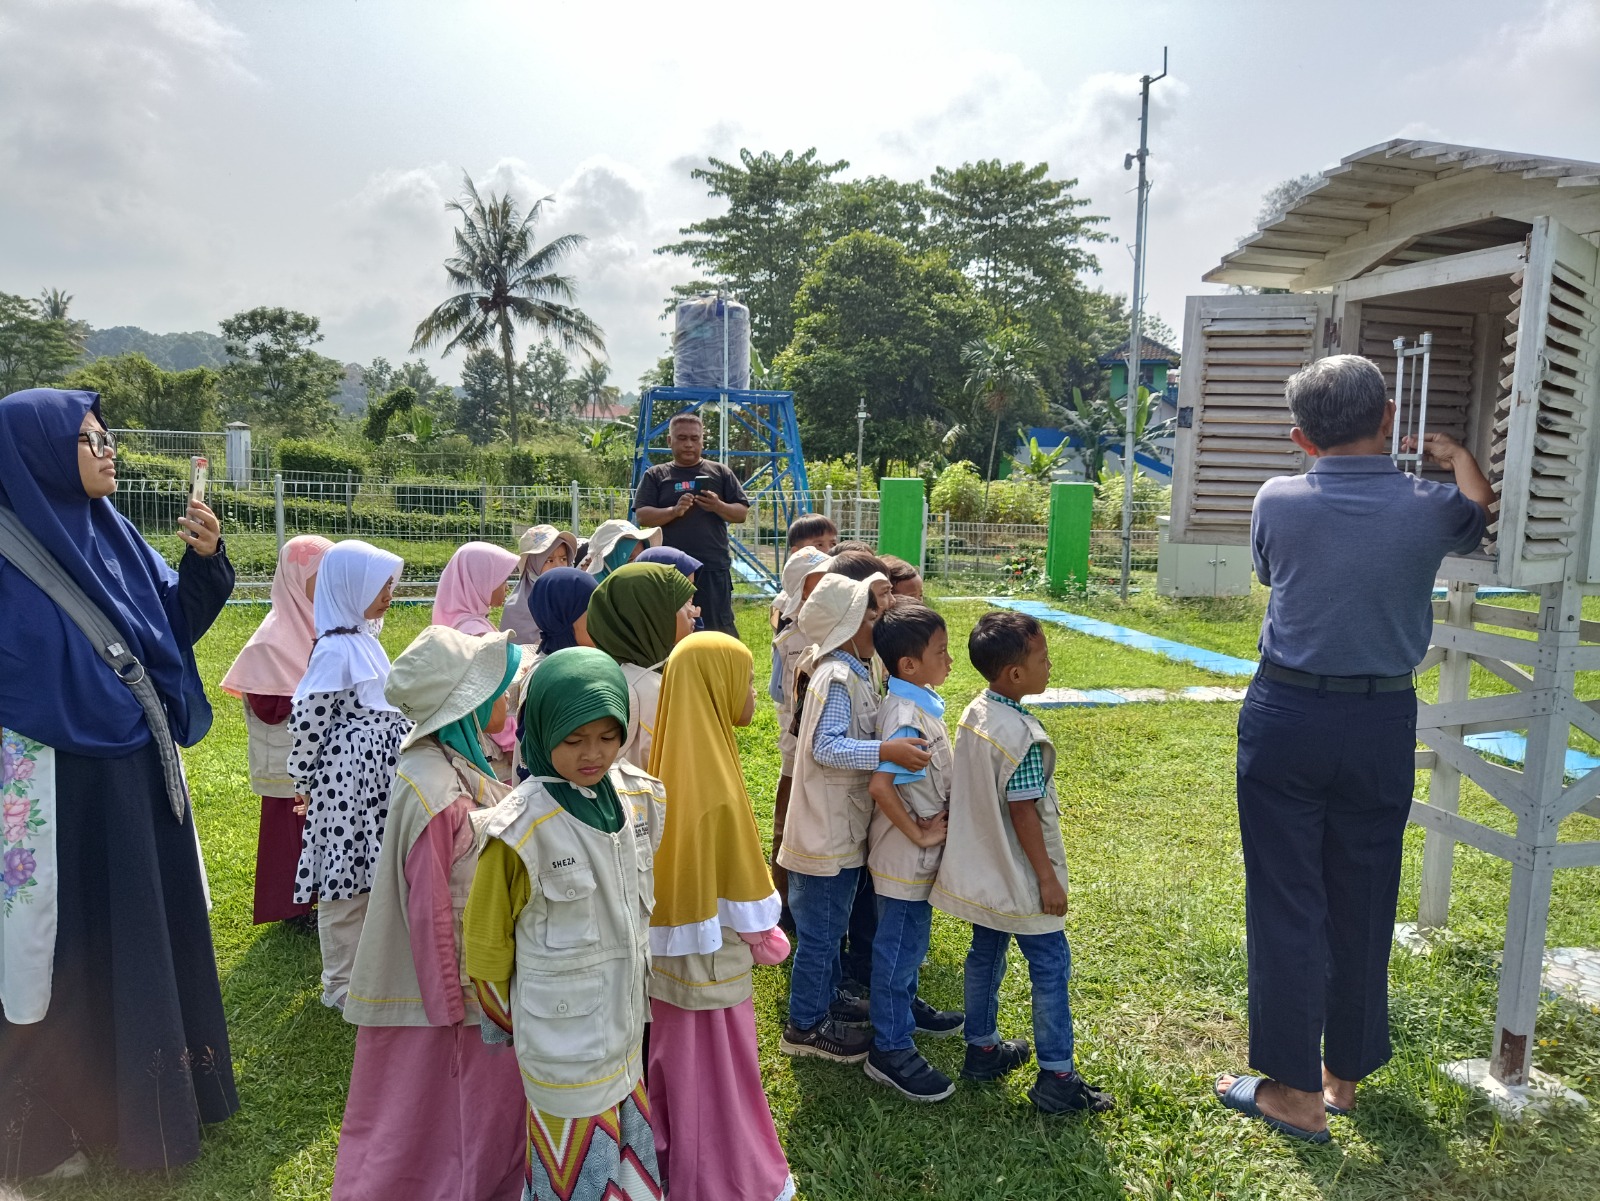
<point>714,596</point>
<point>1324,784</point>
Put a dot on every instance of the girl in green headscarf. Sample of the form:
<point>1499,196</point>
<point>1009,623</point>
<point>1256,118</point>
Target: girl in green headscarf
<point>551,893</point>
<point>468,735</point>
<point>636,616</point>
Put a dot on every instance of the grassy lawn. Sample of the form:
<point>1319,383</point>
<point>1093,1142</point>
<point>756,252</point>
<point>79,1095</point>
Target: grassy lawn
<point>1156,926</point>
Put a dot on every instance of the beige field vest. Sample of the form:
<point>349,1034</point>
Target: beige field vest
<point>829,807</point>
<point>719,980</point>
<point>269,748</point>
<point>644,695</point>
<point>984,877</point>
<point>578,995</point>
<point>791,644</point>
<point>383,983</point>
<point>899,867</point>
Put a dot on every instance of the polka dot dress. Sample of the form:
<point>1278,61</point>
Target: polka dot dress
<point>343,758</point>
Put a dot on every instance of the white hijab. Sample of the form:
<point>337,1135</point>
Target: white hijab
<point>349,579</point>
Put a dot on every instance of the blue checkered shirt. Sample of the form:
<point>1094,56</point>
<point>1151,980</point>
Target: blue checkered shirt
<point>1027,782</point>
<point>832,745</point>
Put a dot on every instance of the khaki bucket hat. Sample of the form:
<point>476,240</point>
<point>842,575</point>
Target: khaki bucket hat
<point>801,566</point>
<point>604,540</point>
<point>538,541</point>
<point>443,676</point>
<point>833,614</point>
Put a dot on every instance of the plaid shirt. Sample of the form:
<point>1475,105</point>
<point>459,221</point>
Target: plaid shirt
<point>832,745</point>
<point>1027,782</point>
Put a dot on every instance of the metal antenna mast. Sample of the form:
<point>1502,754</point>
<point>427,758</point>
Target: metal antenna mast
<point>1135,342</point>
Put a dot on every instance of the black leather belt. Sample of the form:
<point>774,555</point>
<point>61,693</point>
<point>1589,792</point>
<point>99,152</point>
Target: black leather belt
<point>1305,679</point>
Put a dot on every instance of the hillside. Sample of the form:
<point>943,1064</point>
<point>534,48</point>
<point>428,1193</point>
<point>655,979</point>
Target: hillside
<point>174,352</point>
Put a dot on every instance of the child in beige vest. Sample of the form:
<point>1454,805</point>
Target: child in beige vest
<point>904,844</point>
<point>1004,868</point>
<point>825,835</point>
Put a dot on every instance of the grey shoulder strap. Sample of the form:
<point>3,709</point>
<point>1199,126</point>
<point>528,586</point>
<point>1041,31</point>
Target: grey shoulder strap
<point>24,552</point>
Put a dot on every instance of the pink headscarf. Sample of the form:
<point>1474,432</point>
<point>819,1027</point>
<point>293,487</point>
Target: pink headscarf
<point>275,658</point>
<point>467,583</point>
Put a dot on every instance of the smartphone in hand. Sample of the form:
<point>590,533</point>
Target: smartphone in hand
<point>199,472</point>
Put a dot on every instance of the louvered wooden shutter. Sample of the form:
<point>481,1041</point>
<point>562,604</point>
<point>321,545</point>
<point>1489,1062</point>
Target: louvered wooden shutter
<point>1451,378</point>
<point>1233,422</point>
<point>1541,444</point>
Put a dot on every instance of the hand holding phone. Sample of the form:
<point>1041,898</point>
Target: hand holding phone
<point>199,473</point>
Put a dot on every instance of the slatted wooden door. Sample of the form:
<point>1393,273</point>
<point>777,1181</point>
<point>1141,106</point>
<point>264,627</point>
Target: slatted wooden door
<point>1452,375</point>
<point>1233,422</point>
<point>1543,442</point>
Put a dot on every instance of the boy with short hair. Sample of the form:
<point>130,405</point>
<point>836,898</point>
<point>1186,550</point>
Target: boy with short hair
<point>1004,867</point>
<point>904,843</point>
<point>813,529</point>
<point>904,579</point>
<point>825,834</point>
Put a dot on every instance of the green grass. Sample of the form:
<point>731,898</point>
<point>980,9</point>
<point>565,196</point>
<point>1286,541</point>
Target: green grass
<point>1159,990</point>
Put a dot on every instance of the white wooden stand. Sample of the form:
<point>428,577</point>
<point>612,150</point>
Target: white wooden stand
<point>1539,797</point>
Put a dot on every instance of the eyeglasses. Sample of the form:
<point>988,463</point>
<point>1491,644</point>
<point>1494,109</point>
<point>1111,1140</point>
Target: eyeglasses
<point>100,443</point>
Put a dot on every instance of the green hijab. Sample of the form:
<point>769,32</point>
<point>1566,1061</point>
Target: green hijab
<point>568,689</point>
<point>633,615</point>
<point>463,735</point>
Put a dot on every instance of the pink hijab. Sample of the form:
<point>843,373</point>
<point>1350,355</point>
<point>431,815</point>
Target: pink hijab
<point>467,583</point>
<point>275,658</point>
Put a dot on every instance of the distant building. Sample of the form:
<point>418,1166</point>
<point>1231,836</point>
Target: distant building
<point>1155,361</point>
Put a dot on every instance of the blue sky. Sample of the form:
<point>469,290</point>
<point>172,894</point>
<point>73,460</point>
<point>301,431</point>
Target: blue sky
<point>172,161</point>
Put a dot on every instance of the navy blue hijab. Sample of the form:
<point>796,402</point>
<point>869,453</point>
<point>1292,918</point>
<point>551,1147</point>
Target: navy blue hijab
<point>559,597</point>
<point>54,687</point>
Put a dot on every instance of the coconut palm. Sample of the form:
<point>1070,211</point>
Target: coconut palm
<point>54,303</point>
<point>999,375</point>
<point>503,279</point>
<point>591,386</point>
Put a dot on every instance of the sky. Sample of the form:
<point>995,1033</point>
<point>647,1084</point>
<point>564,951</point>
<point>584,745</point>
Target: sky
<point>170,162</point>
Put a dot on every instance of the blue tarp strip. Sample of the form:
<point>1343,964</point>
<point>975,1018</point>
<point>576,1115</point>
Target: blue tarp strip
<point>1513,748</point>
<point>1227,665</point>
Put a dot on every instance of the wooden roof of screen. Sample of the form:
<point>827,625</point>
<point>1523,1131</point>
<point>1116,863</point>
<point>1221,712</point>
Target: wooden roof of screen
<point>1408,200</point>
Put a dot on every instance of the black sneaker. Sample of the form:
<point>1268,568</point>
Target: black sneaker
<point>1067,1092</point>
<point>826,1040</point>
<point>936,1023</point>
<point>991,1063</point>
<point>848,1009</point>
<point>908,1074</point>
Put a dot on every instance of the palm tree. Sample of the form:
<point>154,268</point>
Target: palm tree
<point>592,385</point>
<point>502,279</point>
<point>999,374</point>
<point>53,304</point>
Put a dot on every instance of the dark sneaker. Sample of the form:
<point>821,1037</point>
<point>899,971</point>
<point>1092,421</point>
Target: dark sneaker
<point>848,1009</point>
<point>991,1063</point>
<point>826,1040</point>
<point>1067,1092</point>
<point>912,1076</point>
<point>936,1023</point>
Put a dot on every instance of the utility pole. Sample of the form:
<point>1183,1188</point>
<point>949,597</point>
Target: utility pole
<point>1135,341</point>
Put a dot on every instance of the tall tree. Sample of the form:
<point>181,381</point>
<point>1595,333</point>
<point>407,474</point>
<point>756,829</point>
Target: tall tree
<point>592,386</point>
<point>547,378</point>
<point>136,394</point>
<point>1000,379</point>
<point>481,411</point>
<point>34,349</point>
<point>761,248</point>
<point>274,376</point>
<point>874,321</point>
<point>502,280</point>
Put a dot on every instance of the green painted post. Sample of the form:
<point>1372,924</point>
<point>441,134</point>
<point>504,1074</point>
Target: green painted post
<point>900,529</point>
<point>1066,558</point>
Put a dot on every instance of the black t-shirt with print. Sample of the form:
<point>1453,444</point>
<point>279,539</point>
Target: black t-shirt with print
<point>699,532</point>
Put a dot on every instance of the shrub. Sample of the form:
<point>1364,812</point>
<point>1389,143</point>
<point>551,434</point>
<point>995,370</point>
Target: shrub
<point>958,493</point>
<point>438,499</point>
<point>1149,500</point>
<point>1017,502</point>
<point>134,466</point>
<point>325,458</point>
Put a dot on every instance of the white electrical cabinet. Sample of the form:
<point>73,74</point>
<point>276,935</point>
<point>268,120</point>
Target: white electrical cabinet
<point>1195,569</point>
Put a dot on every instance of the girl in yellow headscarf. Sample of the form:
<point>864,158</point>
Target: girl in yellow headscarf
<point>716,915</point>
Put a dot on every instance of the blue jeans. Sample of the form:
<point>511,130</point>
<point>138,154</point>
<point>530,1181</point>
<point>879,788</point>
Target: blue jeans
<point>898,950</point>
<point>1049,967</point>
<point>820,906</point>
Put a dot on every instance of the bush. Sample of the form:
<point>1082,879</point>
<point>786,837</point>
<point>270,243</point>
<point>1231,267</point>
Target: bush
<point>438,499</point>
<point>1017,502</point>
<point>134,466</point>
<point>958,493</point>
<point>322,458</point>
<point>840,473</point>
<point>1150,499</point>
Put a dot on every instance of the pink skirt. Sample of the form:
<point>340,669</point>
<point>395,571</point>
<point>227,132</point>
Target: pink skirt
<point>434,1114</point>
<point>713,1127</point>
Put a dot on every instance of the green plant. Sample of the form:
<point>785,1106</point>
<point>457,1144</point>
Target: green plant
<point>320,457</point>
<point>1000,377</point>
<point>1101,425</point>
<point>958,493</point>
<point>1150,500</point>
<point>1039,465</point>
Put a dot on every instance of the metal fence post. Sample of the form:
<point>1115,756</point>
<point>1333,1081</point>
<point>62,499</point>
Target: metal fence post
<point>827,502</point>
<point>575,533</point>
<point>277,506</point>
<point>483,509</point>
<point>947,543</point>
<point>349,502</point>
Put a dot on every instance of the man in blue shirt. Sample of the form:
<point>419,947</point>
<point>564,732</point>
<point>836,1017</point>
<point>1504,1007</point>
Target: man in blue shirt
<point>1327,734</point>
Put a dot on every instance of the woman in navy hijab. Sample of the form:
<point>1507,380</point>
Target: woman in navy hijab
<point>113,1034</point>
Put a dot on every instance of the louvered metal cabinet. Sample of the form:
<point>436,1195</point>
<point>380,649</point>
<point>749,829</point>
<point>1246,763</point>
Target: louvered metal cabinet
<point>1233,422</point>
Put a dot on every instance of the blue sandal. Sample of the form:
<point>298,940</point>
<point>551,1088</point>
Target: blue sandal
<point>1242,1097</point>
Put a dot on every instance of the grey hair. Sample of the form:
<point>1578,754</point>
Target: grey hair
<point>1337,400</point>
<point>677,417</point>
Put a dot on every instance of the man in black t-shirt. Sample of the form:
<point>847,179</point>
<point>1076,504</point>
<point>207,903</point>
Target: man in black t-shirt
<point>693,500</point>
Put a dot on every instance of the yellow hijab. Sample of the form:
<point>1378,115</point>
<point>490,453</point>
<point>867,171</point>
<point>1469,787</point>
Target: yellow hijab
<point>710,871</point>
